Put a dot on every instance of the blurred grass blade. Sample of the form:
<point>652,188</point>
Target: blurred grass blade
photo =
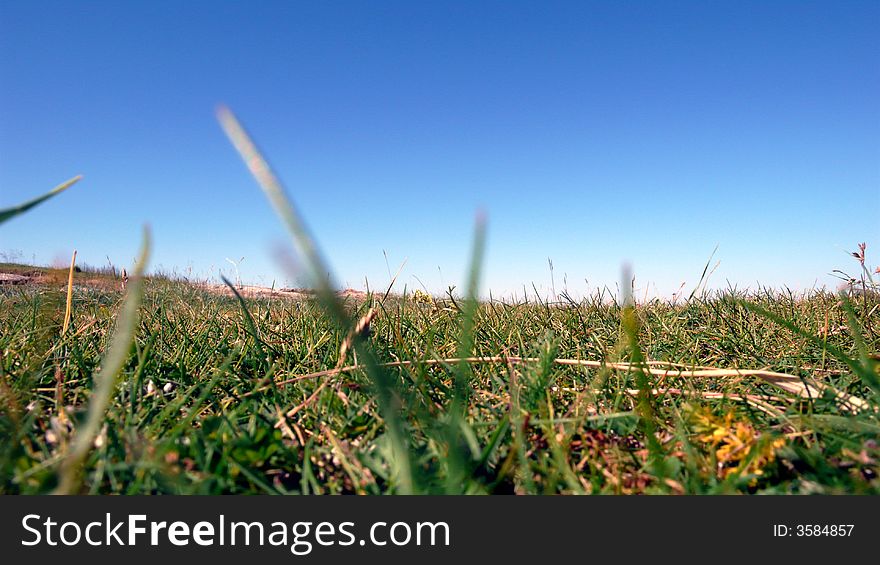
<point>274,191</point>
<point>629,322</point>
<point>9,213</point>
<point>644,399</point>
<point>460,462</point>
<point>105,378</point>
<point>321,278</point>
<point>469,312</point>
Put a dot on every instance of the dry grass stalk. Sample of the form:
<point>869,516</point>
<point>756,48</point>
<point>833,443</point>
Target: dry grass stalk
<point>59,395</point>
<point>293,411</point>
<point>751,399</point>
<point>68,310</point>
<point>362,328</point>
<point>800,386</point>
<point>285,427</point>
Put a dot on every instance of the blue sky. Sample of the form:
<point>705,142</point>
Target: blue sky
<point>590,133</point>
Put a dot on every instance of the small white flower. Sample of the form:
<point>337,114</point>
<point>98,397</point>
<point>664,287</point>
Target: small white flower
<point>151,387</point>
<point>168,388</point>
<point>102,438</point>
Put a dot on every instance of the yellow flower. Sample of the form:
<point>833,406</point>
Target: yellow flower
<point>420,297</point>
<point>739,448</point>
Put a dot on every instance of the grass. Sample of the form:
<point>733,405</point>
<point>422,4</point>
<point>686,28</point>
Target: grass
<point>197,406</point>
<point>169,388</point>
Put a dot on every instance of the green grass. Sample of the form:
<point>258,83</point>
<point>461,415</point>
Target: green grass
<point>535,427</point>
<point>172,389</point>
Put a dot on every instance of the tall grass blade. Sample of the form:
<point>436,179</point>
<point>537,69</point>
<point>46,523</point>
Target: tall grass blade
<point>469,312</point>
<point>321,278</point>
<point>284,207</point>
<point>644,399</point>
<point>106,377</point>
<point>69,308</point>
<point>9,213</point>
<point>703,276</point>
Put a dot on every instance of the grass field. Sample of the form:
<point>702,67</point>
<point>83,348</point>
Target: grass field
<point>170,388</point>
<point>199,405</point>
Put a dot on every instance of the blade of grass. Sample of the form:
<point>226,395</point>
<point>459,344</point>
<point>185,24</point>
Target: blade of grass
<point>249,320</point>
<point>283,205</point>
<point>469,311</point>
<point>321,277</point>
<point>105,380</point>
<point>69,308</point>
<point>459,461</point>
<point>644,400</point>
<point>703,276</point>
<point>9,213</point>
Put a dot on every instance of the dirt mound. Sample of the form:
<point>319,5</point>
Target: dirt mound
<point>11,278</point>
<point>251,291</point>
<point>248,291</point>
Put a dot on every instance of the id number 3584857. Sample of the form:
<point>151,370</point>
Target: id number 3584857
<point>813,530</point>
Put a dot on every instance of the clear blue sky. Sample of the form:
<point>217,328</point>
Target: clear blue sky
<point>590,133</point>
